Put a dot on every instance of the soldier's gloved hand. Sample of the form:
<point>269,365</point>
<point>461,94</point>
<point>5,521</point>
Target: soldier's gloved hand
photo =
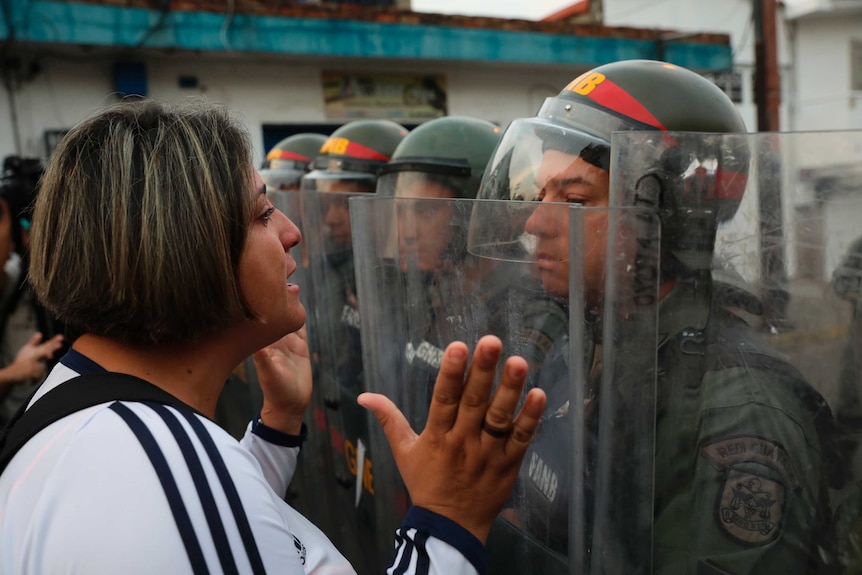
<point>284,372</point>
<point>465,462</point>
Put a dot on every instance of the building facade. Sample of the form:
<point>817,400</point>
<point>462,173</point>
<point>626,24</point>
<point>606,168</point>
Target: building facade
<point>286,67</point>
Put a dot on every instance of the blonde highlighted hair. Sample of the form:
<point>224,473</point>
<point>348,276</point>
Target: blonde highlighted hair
<point>140,221</point>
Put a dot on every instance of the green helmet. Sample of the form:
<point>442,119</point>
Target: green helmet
<point>635,95</point>
<point>351,158</point>
<point>451,152</point>
<point>289,160</point>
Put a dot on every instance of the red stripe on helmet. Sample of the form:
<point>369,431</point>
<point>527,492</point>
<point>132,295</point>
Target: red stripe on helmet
<point>609,95</point>
<point>361,152</point>
<point>344,147</point>
<point>286,155</point>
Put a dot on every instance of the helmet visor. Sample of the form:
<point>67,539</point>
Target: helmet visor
<point>421,184</point>
<point>513,173</point>
<point>528,159</point>
<point>284,179</point>
<point>349,182</point>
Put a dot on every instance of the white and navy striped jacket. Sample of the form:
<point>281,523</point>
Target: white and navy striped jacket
<point>126,487</point>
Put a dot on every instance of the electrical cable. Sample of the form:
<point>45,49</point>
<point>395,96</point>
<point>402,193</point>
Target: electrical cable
<point>226,26</point>
<point>164,10</point>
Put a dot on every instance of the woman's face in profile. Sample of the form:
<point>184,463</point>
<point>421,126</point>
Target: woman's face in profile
<point>266,265</point>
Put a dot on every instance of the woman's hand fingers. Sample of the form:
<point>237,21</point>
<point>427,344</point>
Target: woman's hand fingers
<point>464,464</point>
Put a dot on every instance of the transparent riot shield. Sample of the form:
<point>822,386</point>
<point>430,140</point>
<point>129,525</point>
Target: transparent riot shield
<point>307,493</point>
<point>421,288</point>
<point>336,342</point>
<point>758,390</point>
<point>612,521</point>
<point>596,439</point>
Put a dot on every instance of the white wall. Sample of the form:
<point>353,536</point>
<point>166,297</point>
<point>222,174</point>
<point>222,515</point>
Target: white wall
<point>824,100</point>
<point>65,92</point>
<point>731,17</point>
<point>260,90</point>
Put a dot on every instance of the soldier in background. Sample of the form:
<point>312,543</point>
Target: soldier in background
<point>420,288</point>
<point>846,556</point>
<point>453,295</point>
<point>847,283</point>
<point>347,164</point>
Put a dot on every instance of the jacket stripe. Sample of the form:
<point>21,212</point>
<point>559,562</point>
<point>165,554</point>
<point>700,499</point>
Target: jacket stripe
<point>423,562</point>
<point>230,491</point>
<point>211,511</point>
<point>406,557</point>
<point>169,485</point>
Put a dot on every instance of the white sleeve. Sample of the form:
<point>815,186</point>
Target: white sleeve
<point>430,544</point>
<point>139,489</point>
<point>276,452</point>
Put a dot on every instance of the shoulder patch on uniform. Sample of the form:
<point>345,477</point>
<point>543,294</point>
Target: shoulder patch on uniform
<point>727,451</point>
<point>750,507</point>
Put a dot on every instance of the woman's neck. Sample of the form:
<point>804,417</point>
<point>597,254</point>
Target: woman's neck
<point>194,374</point>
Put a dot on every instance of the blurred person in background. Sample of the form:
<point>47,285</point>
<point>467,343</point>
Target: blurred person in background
<point>31,337</point>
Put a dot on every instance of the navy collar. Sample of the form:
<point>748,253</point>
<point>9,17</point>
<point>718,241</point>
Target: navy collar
<point>80,363</point>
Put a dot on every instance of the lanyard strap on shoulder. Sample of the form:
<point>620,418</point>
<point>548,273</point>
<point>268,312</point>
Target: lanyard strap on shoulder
<point>74,395</point>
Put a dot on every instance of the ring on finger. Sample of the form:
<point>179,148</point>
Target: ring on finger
<point>495,431</point>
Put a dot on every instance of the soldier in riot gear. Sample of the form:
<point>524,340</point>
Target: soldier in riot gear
<point>440,161</point>
<point>347,163</point>
<point>420,288</point>
<point>289,160</point>
<point>736,427</point>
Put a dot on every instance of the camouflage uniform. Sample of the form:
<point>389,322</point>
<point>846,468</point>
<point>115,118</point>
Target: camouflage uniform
<point>512,307</point>
<point>743,451</point>
<point>740,482</point>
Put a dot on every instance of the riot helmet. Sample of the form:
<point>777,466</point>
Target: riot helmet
<point>348,163</point>
<point>289,160</point>
<point>351,158</point>
<point>451,152</point>
<point>687,176</point>
<point>441,159</point>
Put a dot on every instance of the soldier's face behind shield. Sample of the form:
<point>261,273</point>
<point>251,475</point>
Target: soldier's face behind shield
<point>336,216</point>
<point>424,227</point>
<point>568,178</point>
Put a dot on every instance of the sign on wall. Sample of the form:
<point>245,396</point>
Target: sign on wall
<point>350,96</point>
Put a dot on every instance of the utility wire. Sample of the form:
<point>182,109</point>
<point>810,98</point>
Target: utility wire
<point>164,10</point>
<point>226,26</point>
